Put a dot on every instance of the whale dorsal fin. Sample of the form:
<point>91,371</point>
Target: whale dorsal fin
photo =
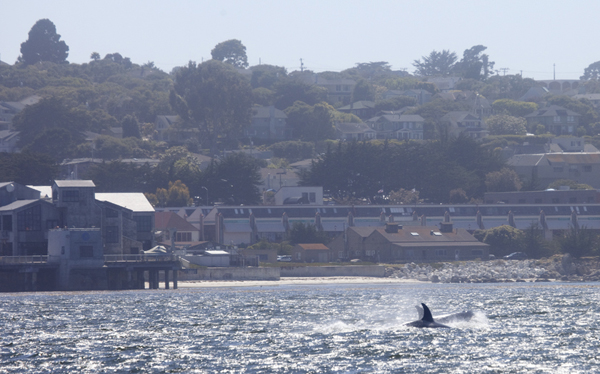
<point>426,314</point>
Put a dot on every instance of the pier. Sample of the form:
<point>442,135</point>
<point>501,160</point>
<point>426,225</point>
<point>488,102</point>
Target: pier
<point>115,272</point>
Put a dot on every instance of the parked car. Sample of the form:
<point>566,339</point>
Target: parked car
<point>516,256</point>
<point>284,258</point>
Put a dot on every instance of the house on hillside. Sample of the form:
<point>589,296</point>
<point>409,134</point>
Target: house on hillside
<point>391,125</point>
<point>8,141</point>
<point>462,122</point>
<point>338,90</point>
<point>556,120</point>
<point>268,123</point>
<point>354,131</point>
<point>361,109</point>
<point>172,227</point>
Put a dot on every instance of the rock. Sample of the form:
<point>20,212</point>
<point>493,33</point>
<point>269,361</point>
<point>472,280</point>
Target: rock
<point>434,278</point>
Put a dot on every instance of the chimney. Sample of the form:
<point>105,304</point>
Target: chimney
<point>392,227</point>
<point>446,227</point>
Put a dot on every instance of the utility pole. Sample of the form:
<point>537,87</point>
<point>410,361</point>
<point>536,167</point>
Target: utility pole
<point>504,70</point>
<point>301,66</point>
<point>554,65</point>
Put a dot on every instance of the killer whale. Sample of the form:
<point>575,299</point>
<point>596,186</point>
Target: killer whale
<point>465,316</point>
<point>427,320</point>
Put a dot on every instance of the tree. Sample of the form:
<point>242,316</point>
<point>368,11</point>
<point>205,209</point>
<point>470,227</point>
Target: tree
<point>436,64</point>
<point>363,90</point>
<point>51,113</point>
<point>513,107</point>
<point>579,242</point>
<point>534,243</point>
<point>403,196</point>
<point>570,183</point>
<point>95,56</point>
<point>311,123</point>
<point>44,44</point>
<point>288,91</point>
<point>176,195</point>
<point>395,103</point>
<point>475,64</point>
<point>232,52</point>
<point>504,240</point>
<point>504,124</point>
<point>214,98</point>
<point>28,168</point>
<point>504,180</point>
<point>233,180</point>
<point>266,76</point>
<point>592,72</point>
<point>131,127</point>
<point>306,233</point>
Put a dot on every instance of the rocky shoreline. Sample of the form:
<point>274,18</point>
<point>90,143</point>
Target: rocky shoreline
<point>556,268</point>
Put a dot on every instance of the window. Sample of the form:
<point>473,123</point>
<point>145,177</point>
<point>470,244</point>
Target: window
<point>144,223</point>
<point>570,119</point>
<point>556,118</point>
<point>555,200</point>
<point>71,196</point>
<point>572,200</point>
<point>441,252</point>
<point>537,201</point>
<point>312,197</point>
<point>477,252</point>
<point>111,234</point>
<point>86,251</point>
<point>521,201</point>
<point>338,87</point>
<point>7,223</point>
<point>184,237</point>
<point>30,219</point>
<point>558,169</point>
<point>587,168</point>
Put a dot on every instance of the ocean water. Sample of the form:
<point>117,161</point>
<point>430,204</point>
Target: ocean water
<point>517,328</point>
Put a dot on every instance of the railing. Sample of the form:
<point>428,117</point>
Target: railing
<point>13,260</point>
<point>140,258</point>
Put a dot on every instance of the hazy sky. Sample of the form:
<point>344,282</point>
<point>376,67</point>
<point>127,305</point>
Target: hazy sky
<point>524,36</point>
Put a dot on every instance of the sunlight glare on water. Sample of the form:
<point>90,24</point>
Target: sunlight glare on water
<point>533,328</point>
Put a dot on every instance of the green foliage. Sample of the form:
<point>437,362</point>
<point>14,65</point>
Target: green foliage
<point>503,124</point>
<point>581,106</point>
<point>475,64</point>
<point>514,108</point>
<point>266,76</point>
<point>293,150</point>
<point>395,103</point>
<point>43,44</point>
<point>436,64</point>
<point>534,243</point>
<point>359,170</point>
<point>214,98</point>
<point>306,233</point>
<point>403,196</point>
<point>51,114</point>
<point>569,183</point>
<point>231,52</point>
<point>233,180</point>
<point>363,90</point>
<point>504,240</point>
<point>28,168</point>
<point>263,96</point>
<point>592,72</point>
<point>117,176</point>
<point>311,123</point>
<point>176,195</point>
<point>131,127</point>
<point>579,242</point>
<point>504,180</point>
<point>288,91</point>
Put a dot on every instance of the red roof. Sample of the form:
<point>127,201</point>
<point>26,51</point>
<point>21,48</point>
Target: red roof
<point>168,220</point>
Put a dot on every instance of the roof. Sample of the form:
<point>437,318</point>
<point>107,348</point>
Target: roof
<point>135,201</point>
<point>168,220</point>
<point>313,246</point>
<point>359,105</point>
<point>573,158</point>
<point>398,118</point>
<point>458,116</point>
<point>75,183</point>
<point>18,204</point>
<point>423,235</point>
<point>525,159</point>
